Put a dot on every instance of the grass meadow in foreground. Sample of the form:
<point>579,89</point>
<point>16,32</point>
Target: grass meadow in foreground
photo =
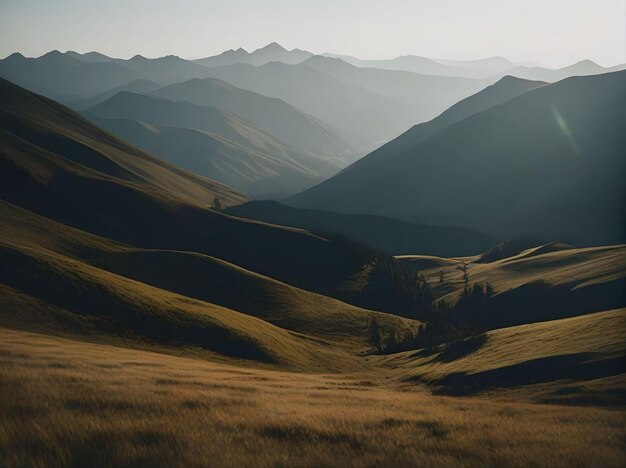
<point>70,403</point>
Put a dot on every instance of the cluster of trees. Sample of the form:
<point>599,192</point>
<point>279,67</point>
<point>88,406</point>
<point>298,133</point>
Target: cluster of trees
<point>383,283</point>
<point>391,341</point>
<point>445,322</point>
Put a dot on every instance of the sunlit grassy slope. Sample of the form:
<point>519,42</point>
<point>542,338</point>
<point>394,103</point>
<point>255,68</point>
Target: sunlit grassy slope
<point>69,403</point>
<point>588,347</point>
<point>89,282</point>
<point>541,283</point>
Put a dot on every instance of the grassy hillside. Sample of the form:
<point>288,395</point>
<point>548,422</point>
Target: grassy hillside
<point>50,293</point>
<point>547,163</point>
<point>29,239</point>
<point>586,348</point>
<point>381,233</point>
<point>541,283</point>
<point>70,403</point>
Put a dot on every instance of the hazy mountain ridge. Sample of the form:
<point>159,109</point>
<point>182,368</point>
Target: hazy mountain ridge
<point>269,114</point>
<point>491,67</point>
<point>427,66</point>
<point>368,104</point>
<point>288,171</point>
<point>273,52</point>
<point>501,91</point>
<point>47,140</point>
<point>390,235</point>
<point>74,76</point>
<point>563,138</point>
<point>361,115</point>
<point>139,86</point>
<point>201,152</point>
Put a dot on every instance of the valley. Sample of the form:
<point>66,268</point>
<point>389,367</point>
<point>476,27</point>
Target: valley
<point>281,257</point>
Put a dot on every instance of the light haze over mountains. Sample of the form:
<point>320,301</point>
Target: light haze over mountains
<point>320,112</point>
<point>399,241</point>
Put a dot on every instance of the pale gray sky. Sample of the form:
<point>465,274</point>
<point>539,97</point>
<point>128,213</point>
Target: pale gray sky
<point>551,32</point>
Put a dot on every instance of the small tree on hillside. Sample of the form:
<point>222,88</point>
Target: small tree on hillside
<point>374,332</point>
<point>465,279</point>
<point>217,204</point>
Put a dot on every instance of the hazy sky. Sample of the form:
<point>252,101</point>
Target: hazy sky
<point>552,32</point>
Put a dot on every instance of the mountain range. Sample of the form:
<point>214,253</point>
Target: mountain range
<point>212,143</point>
<point>272,52</point>
<point>362,103</point>
<point>547,162</point>
<point>438,254</point>
<point>271,115</point>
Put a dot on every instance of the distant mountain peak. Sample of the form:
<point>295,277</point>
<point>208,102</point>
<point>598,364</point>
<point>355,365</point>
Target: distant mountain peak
<point>52,53</point>
<point>515,79</point>
<point>15,55</point>
<point>239,51</point>
<point>586,63</point>
<point>273,46</point>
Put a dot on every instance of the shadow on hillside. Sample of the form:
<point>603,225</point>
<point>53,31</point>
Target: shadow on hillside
<point>77,301</point>
<point>449,352</point>
<point>580,366</point>
<point>540,301</point>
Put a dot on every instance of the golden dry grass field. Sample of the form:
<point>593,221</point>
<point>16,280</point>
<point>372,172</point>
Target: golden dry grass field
<point>65,402</point>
